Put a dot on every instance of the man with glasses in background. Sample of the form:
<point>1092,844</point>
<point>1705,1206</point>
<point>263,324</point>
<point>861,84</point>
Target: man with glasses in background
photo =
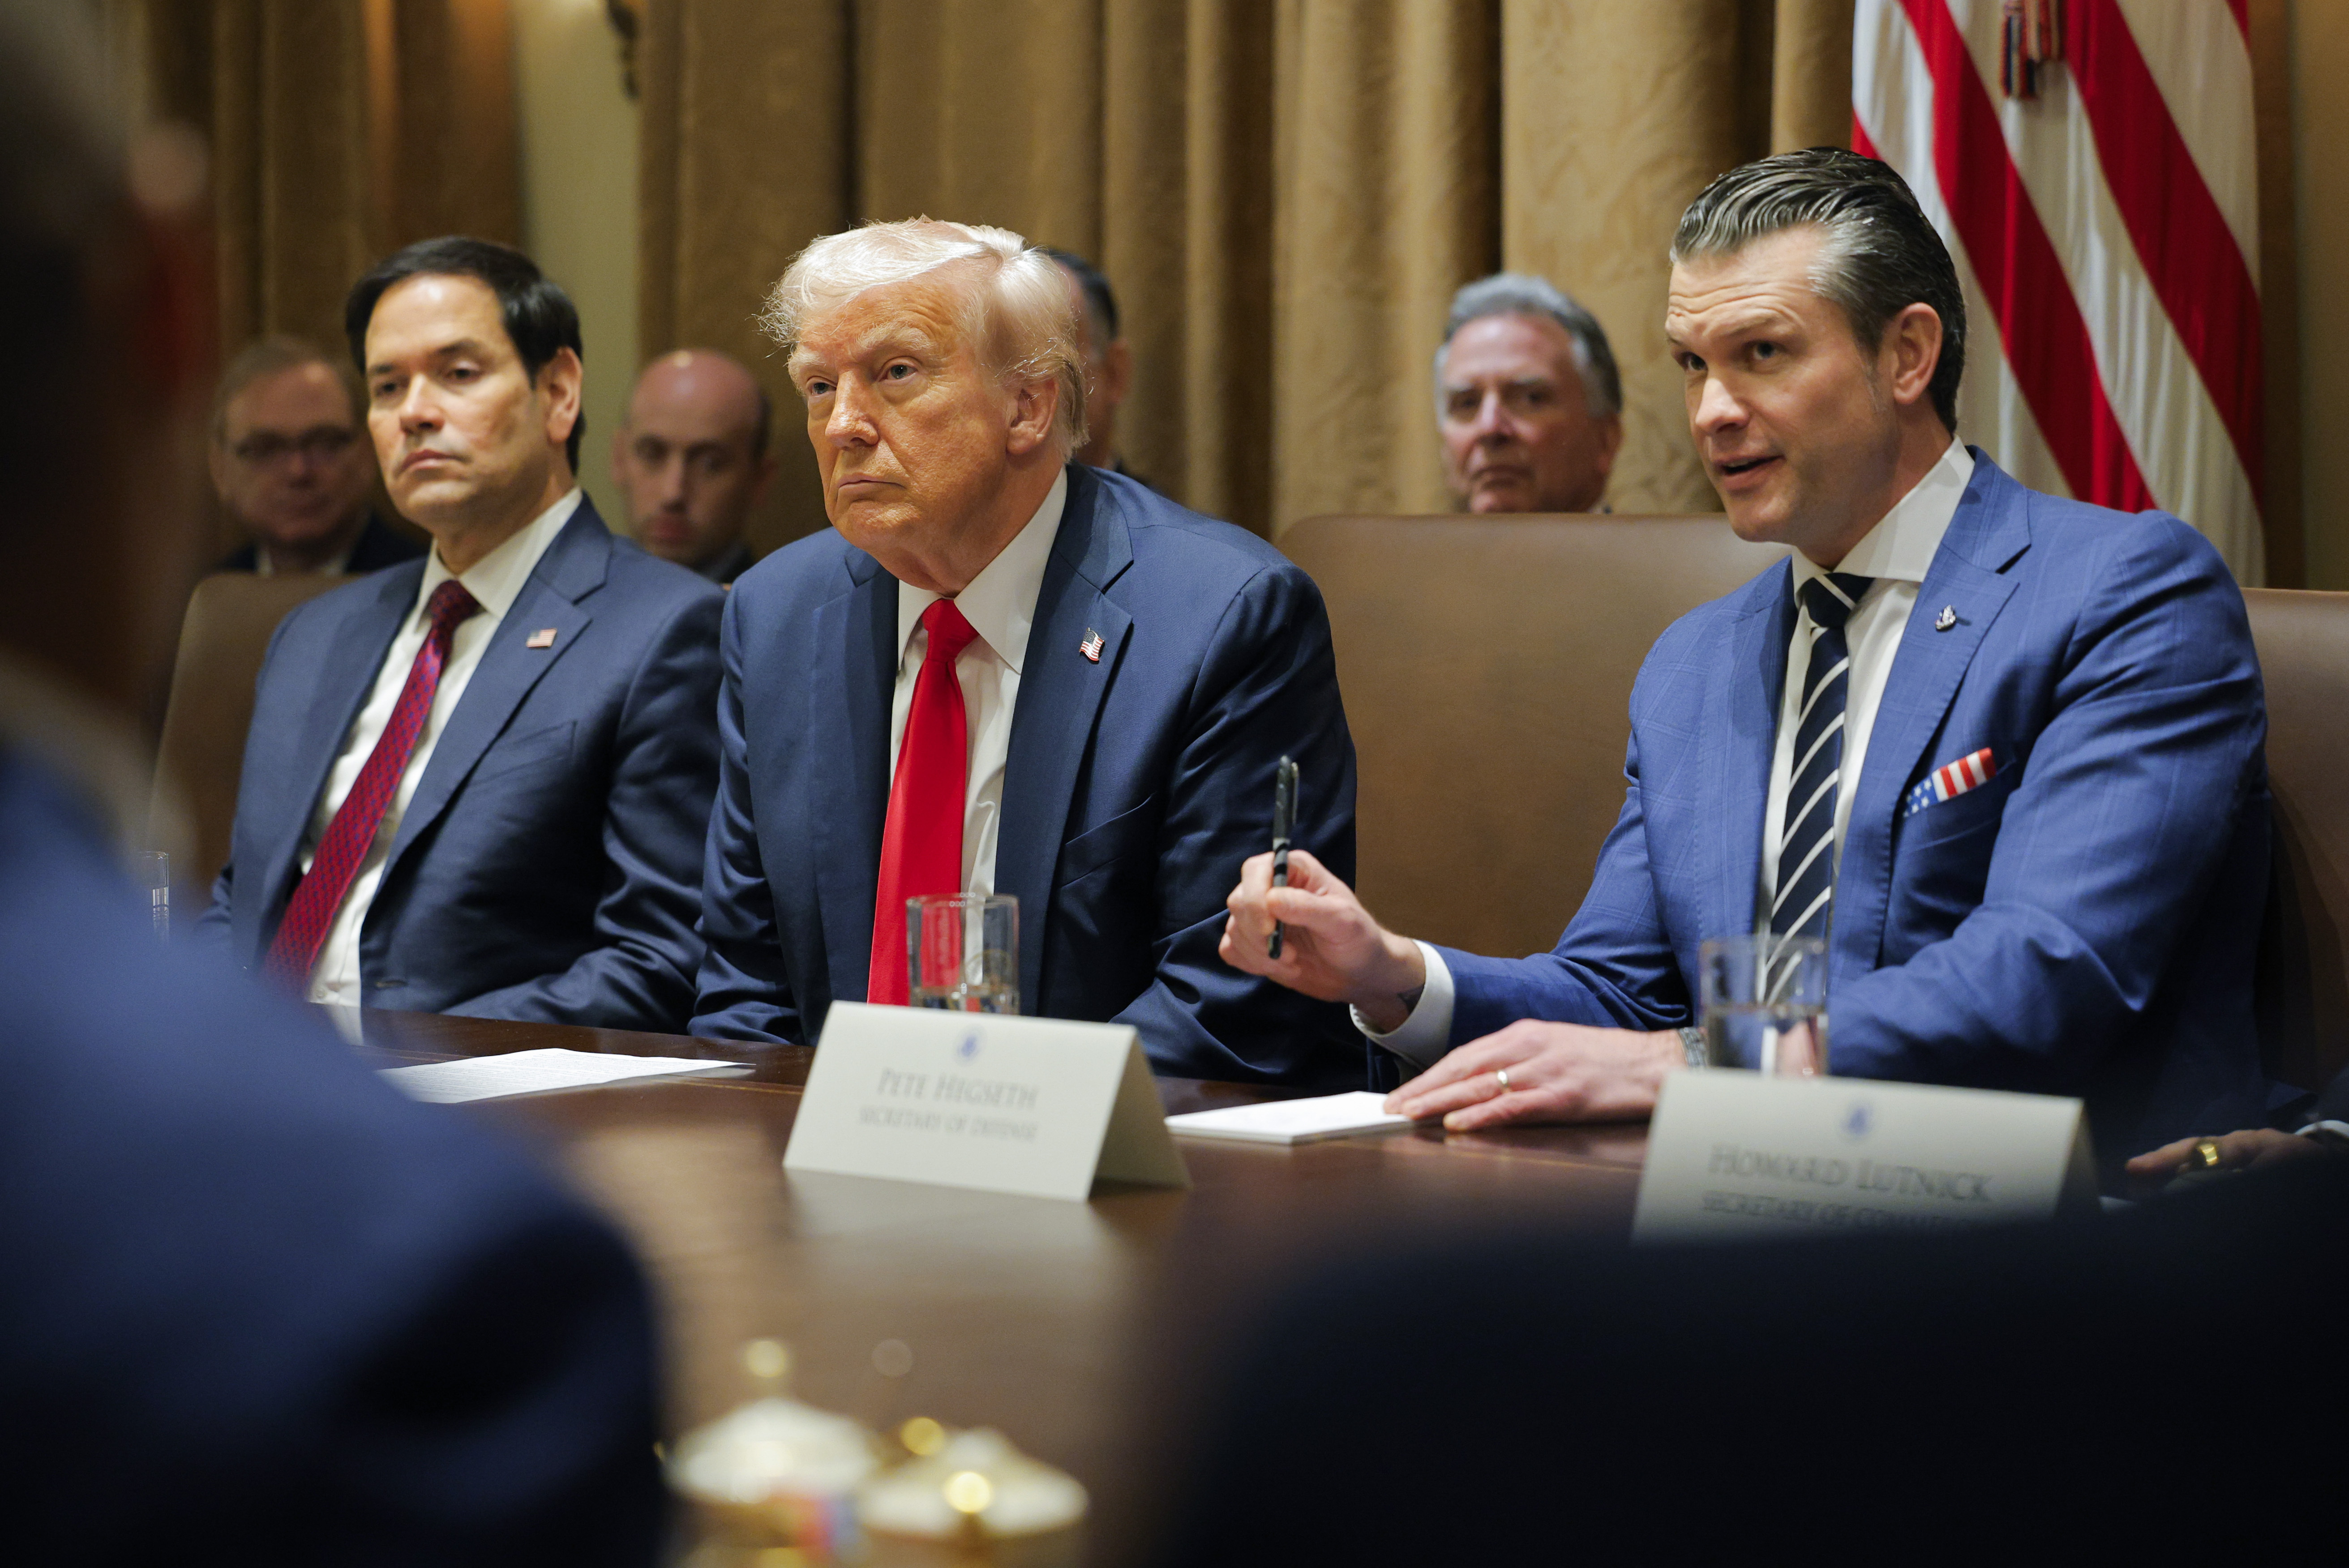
<point>289,465</point>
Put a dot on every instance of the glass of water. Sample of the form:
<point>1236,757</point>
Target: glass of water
<point>153,870</point>
<point>963,952</point>
<point>1766,1003</point>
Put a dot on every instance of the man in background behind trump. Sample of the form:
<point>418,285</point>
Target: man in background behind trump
<point>1005,672</point>
<point>1527,399</point>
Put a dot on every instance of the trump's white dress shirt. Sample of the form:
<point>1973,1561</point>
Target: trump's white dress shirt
<point>1000,605</point>
<point>495,582</point>
<point>1897,552</point>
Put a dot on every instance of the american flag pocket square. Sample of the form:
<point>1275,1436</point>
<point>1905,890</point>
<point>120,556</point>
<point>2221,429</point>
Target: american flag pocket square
<point>1950,778</point>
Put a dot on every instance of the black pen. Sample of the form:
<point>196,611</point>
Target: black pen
<point>1284,824</point>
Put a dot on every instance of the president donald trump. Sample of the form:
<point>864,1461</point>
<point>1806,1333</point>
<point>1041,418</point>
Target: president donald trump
<point>1003,672</point>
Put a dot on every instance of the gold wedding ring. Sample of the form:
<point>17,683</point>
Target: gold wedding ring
<point>1502,1077</point>
<point>2206,1151</point>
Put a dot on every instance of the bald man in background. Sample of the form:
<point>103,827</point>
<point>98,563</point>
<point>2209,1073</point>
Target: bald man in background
<point>691,459</point>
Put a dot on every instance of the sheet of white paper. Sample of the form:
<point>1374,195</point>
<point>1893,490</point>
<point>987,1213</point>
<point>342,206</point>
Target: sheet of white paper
<point>1291,1120</point>
<point>535,1072</point>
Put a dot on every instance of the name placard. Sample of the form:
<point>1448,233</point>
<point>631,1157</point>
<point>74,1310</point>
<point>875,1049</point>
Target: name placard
<point>1734,1155</point>
<point>1002,1104</point>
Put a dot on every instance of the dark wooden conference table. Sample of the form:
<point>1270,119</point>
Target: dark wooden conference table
<point>1079,1330</point>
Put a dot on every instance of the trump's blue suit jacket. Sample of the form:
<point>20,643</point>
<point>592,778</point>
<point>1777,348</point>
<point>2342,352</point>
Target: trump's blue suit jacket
<point>2085,924</point>
<point>1134,787</point>
<point>302,1318</point>
<point>548,866</point>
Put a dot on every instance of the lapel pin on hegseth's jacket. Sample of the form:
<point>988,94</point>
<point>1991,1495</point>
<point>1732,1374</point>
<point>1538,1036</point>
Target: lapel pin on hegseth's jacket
<point>1946,619</point>
<point>1092,646</point>
<point>542,639</point>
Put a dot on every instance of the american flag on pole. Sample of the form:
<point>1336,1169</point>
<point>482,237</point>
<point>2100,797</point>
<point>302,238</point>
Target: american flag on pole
<point>2091,165</point>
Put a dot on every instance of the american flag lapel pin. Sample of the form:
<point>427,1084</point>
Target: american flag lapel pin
<point>1092,646</point>
<point>542,639</point>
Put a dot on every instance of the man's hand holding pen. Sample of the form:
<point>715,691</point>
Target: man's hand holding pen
<point>1332,949</point>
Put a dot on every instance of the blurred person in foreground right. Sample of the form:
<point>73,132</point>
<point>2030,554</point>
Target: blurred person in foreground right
<point>259,1305</point>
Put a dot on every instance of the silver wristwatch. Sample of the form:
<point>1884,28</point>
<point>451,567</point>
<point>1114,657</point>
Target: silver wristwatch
<point>1692,1051</point>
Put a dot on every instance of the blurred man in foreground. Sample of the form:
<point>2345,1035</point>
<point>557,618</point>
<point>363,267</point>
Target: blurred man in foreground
<point>1004,672</point>
<point>293,467</point>
<point>2114,1390</point>
<point>479,783</point>
<point>260,1307</point>
<point>692,460</point>
<point>1108,359</point>
<point>2001,753</point>
<point>1527,399</point>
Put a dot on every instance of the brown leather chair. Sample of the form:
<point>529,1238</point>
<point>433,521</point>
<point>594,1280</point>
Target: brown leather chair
<point>2303,981</point>
<point>1486,663</point>
<point>230,618</point>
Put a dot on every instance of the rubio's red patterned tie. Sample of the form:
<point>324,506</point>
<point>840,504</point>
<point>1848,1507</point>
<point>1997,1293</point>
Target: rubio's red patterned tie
<point>320,892</point>
<point>921,848</point>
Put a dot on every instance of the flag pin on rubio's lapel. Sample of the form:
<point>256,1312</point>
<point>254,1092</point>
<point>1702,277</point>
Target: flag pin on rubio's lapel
<point>1946,619</point>
<point>1092,646</point>
<point>542,639</point>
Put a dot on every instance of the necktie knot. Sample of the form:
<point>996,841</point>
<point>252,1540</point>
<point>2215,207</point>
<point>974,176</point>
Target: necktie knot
<point>1832,598</point>
<point>949,633</point>
<point>449,605</point>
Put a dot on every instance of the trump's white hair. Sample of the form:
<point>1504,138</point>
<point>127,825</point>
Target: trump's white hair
<point>1019,313</point>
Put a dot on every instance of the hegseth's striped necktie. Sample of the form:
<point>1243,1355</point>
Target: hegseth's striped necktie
<point>1804,895</point>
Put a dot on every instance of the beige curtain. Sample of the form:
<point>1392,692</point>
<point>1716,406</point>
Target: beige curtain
<point>1285,195</point>
<point>340,129</point>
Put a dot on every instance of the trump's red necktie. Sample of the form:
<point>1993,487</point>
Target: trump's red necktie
<point>921,848</point>
<point>344,846</point>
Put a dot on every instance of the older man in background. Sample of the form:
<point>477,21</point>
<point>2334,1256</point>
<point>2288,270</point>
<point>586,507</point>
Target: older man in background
<point>692,460</point>
<point>292,466</point>
<point>1527,399</point>
<point>1005,672</point>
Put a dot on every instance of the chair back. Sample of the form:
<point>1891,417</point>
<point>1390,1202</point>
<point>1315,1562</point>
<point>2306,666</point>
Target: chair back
<point>2303,973</point>
<point>230,619</point>
<point>1486,663</point>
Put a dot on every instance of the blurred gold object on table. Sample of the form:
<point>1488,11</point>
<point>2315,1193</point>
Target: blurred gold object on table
<point>972,1498</point>
<point>774,1479</point>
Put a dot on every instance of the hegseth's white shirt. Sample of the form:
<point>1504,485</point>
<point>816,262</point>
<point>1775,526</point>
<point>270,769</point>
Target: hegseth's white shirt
<point>1000,605</point>
<point>495,582</point>
<point>1897,552</point>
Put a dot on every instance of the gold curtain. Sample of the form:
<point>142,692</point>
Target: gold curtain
<point>340,130</point>
<point>1285,195</point>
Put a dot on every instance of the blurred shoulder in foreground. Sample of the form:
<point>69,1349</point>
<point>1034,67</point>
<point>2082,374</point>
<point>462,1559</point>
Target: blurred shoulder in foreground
<point>253,1295</point>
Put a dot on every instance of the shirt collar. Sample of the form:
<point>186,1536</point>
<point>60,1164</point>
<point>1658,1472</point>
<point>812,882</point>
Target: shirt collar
<point>1902,545</point>
<point>1001,601</point>
<point>495,580</point>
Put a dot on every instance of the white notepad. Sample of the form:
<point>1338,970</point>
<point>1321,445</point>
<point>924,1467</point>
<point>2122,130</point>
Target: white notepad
<point>1291,1120</point>
<point>535,1072</point>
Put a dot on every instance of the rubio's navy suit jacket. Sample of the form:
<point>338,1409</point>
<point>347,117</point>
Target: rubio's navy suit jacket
<point>302,1318</point>
<point>2085,924</point>
<point>1134,787</point>
<point>547,867</point>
